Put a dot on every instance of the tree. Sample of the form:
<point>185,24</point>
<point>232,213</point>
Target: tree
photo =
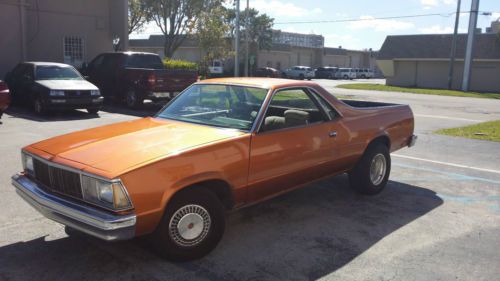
<point>138,15</point>
<point>177,19</point>
<point>259,27</point>
<point>211,33</point>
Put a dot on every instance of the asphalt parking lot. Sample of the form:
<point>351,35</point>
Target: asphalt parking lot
<point>438,219</point>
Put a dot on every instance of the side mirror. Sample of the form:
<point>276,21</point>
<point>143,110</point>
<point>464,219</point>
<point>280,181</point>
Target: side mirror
<point>84,68</point>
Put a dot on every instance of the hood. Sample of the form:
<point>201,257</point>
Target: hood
<point>118,147</point>
<point>67,84</point>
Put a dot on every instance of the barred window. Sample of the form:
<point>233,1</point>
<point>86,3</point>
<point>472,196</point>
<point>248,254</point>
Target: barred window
<point>74,50</point>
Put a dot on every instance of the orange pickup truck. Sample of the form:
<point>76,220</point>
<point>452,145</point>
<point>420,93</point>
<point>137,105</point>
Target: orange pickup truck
<point>221,144</point>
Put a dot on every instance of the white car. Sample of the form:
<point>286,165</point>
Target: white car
<point>345,73</point>
<point>299,72</point>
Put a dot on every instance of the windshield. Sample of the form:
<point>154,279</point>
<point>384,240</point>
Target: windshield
<point>144,61</point>
<point>226,106</point>
<point>55,72</point>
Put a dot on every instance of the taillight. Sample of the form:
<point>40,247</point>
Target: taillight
<point>151,79</point>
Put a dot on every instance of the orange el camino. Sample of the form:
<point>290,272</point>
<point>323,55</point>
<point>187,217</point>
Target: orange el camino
<point>219,145</point>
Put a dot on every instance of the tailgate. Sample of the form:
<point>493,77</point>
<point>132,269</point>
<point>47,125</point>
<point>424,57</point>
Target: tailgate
<point>174,80</point>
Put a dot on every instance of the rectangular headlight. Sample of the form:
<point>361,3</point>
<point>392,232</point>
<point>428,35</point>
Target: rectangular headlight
<point>110,195</point>
<point>95,93</point>
<point>28,164</point>
<point>56,93</point>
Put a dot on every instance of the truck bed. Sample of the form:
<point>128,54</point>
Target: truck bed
<point>366,104</point>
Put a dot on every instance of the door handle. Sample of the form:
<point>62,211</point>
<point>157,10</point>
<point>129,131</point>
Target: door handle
<point>332,134</point>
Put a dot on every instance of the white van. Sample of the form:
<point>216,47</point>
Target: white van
<point>345,73</point>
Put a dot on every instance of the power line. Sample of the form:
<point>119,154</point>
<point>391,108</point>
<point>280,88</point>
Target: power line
<point>373,18</point>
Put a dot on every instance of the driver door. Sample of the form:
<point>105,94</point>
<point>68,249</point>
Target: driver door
<point>295,144</point>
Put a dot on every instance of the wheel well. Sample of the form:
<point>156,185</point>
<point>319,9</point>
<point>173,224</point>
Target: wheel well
<point>381,139</point>
<point>220,188</point>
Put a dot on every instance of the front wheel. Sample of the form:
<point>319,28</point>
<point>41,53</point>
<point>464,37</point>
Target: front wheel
<point>192,225</point>
<point>371,173</point>
<point>39,106</point>
<point>132,99</point>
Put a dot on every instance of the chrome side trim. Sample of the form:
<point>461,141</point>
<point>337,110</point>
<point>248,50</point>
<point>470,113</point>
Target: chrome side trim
<point>95,222</point>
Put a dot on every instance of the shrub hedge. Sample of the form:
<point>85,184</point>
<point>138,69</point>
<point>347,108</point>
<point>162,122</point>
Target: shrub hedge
<point>179,64</point>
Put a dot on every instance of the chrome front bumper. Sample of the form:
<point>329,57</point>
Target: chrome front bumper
<point>92,221</point>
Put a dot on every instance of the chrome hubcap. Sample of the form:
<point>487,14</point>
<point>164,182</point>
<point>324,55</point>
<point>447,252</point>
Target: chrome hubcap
<point>377,169</point>
<point>189,225</point>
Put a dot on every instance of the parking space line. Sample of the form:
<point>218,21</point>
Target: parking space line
<point>453,176</point>
<point>446,163</point>
<point>446,117</point>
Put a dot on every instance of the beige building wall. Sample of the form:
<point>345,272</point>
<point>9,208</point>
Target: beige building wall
<point>47,23</point>
<point>11,39</point>
<point>434,74</point>
<point>278,60</point>
<point>333,60</point>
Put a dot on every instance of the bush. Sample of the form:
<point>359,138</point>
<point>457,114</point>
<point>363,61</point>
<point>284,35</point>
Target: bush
<point>179,64</point>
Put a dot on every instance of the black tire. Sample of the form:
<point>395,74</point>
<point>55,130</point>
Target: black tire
<point>92,110</point>
<point>360,177</point>
<point>38,106</point>
<point>132,99</point>
<point>169,241</point>
<point>309,79</point>
<point>346,77</point>
<point>301,76</point>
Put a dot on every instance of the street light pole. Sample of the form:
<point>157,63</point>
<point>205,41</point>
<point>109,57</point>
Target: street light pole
<point>453,47</point>
<point>470,44</point>
<point>237,41</point>
<point>246,37</point>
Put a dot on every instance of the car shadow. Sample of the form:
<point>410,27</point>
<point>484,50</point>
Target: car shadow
<point>147,109</point>
<point>303,235</point>
<point>66,115</point>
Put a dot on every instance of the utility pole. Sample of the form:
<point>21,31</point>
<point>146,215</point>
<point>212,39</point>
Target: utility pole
<point>246,37</point>
<point>237,41</point>
<point>453,47</point>
<point>470,44</point>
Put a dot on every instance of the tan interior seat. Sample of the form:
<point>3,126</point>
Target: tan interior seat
<point>295,117</point>
<point>274,123</point>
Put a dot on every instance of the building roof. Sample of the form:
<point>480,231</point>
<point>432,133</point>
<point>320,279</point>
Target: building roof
<point>437,46</point>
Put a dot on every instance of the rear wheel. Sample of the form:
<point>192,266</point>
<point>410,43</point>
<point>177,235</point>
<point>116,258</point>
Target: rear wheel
<point>371,173</point>
<point>191,227</point>
<point>133,100</point>
<point>301,76</point>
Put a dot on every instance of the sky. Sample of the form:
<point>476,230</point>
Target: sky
<point>369,33</point>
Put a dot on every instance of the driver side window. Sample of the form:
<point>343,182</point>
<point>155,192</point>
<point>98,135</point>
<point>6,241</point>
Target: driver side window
<point>291,108</point>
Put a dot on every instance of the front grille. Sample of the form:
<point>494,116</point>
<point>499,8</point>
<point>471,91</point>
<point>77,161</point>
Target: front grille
<point>58,180</point>
<point>77,94</point>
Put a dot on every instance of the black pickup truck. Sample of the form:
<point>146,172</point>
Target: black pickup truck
<point>135,76</point>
